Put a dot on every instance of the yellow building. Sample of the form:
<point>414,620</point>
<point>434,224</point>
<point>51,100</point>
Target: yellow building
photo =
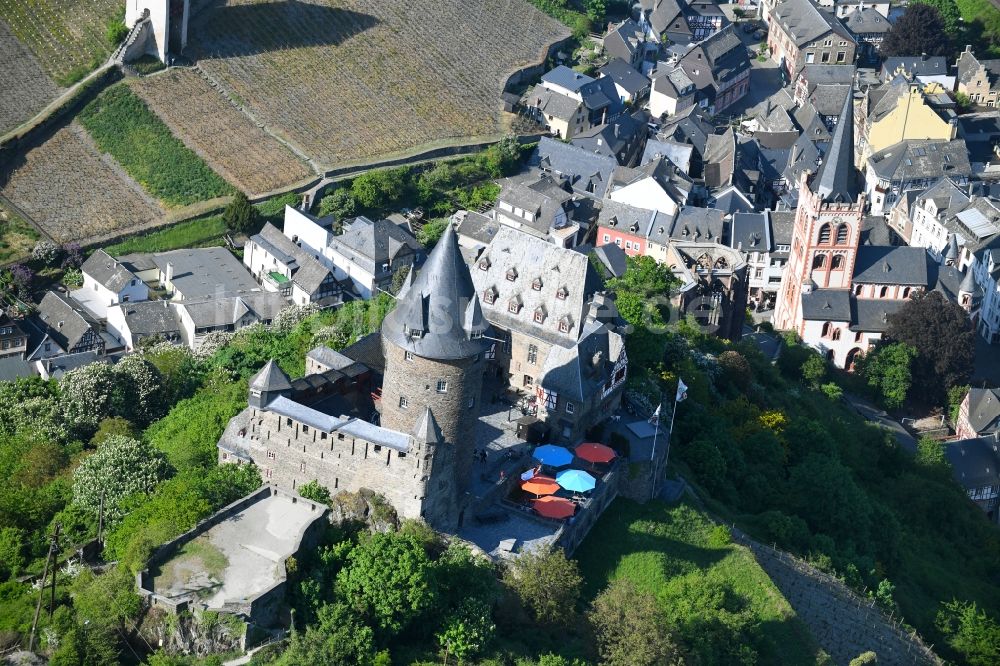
<point>898,111</point>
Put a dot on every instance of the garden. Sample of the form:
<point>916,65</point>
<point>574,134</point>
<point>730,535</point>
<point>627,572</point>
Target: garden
<point>352,82</point>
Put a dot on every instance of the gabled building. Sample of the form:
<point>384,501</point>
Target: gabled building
<point>672,91</point>
<point>899,111</point>
<point>632,86</point>
<point>979,79</point>
<point>106,282</point>
<point>719,67</point>
<point>133,323</point>
<point>802,34</point>
<point>63,328</point>
<point>226,314</point>
<point>869,27</point>
<point>280,265</point>
<point>913,165</point>
<point>979,414</point>
<point>623,139</point>
<point>751,235</point>
<point>583,171</point>
<point>628,227</point>
<point>922,68</point>
<point>630,42</point>
<point>13,338</point>
<point>657,185</point>
<point>568,102</point>
<point>975,465</point>
<point>539,298</point>
<point>539,206</point>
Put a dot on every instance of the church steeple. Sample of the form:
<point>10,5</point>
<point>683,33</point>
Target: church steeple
<point>835,180</point>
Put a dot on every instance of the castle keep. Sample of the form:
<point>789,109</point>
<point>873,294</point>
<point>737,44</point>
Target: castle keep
<point>322,426</point>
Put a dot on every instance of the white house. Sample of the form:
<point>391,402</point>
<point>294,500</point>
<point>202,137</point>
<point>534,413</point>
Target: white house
<point>280,265</point>
<point>131,323</point>
<point>672,91</point>
<point>106,283</point>
<point>227,314</point>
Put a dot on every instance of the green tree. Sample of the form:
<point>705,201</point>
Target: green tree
<point>138,394</point>
<point>315,492</point>
<point>119,468</point>
<point>886,369</point>
<point>919,30</point>
<point>970,632</point>
<point>338,638</point>
<point>380,189</point>
<point>948,11</point>
<point>240,215</point>
<point>930,452</point>
<point>550,570</point>
<point>865,659</point>
<point>388,579</point>
<point>11,552</point>
<point>467,631</point>
<point>814,370</point>
<point>944,338</point>
<point>596,11</point>
<point>431,232</point>
<point>642,291</point>
<point>630,627</point>
<point>339,203</point>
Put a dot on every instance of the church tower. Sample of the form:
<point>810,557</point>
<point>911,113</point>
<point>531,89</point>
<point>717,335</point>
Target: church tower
<point>827,230</point>
<point>434,360</point>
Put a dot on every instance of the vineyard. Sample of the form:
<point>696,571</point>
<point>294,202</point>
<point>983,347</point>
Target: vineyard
<point>68,37</point>
<point>124,127</point>
<point>25,87</point>
<point>224,137</point>
<point>73,191</point>
<point>348,81</point>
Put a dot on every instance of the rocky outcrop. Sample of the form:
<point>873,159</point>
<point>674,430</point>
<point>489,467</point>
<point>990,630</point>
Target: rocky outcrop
<point>199,632</point>
<point>365,506</point>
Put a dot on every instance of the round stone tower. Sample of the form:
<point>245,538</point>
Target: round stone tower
<point>434,348</point>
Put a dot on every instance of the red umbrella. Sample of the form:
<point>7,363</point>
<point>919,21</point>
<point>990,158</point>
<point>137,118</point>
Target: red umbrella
<point>554,507</point>
<point>540,485</point>
<point>596,453</point>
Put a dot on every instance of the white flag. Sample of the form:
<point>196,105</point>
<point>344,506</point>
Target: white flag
<point>682,390</point>
<point>655,418</point>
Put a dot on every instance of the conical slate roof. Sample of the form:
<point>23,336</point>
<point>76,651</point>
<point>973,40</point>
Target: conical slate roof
<point>437,313</point>
<point>427,430</point>
<point>968,282</point>
<point>951,254</point>
<point>835,180</point>
<point>271,378</point>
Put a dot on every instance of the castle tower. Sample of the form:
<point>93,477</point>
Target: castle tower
<point>827,229</point>
<point>434,361</point>
<point>268,384</point>
<point>168,21</point>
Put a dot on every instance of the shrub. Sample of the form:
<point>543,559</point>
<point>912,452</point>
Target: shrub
<point>315,492</point>
<point>119,468</point>
<point>117,30</point>
<point>549,570</point>
<point>240,215</point>
<point>46,252</point>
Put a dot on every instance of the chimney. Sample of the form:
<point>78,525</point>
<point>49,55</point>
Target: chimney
<point>923,56</point>
<point>170,272</point>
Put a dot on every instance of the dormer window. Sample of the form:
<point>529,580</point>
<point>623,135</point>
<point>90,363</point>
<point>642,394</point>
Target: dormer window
<point>514,305</point>
<point>490,296</point>
<point>416,333</point>
<point>540,314</point>
<point>511,274</point>
<point>484,264</point>
<point>565,325</point>
<point>562,293</point>
<point>536,284</point>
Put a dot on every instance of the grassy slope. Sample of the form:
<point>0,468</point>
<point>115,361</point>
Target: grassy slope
<point>122,125</point>
<point>982,18</point>
<point>203,232</point>
<point>17,237</point>
<point>669,551</point>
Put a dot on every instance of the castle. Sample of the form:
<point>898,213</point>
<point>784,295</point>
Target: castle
<point>320,427</point>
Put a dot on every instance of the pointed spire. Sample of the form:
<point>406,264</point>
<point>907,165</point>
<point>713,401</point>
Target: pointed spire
<point>427,430</point>
<point>434,316</point>
<point>968,285</point>
<point>835,180</point>
<point>271,378</point>
<point>951,254</point>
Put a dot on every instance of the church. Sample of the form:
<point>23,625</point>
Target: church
<point>836,293</point>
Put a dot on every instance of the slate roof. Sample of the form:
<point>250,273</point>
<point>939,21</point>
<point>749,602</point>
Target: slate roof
<point>984,410</point>
<point>552,103</point>
<point>975,127</point>
<point>812,124</point>
<point>827,305</point>
<point>818,74</point>
<point>624,39</point>
<point>719,58</point>
<point>974,462</point>
<point>731,200</point>
<point>567,78</point>
<point>145,318</point>
<point>666,15</point>
<point>213,312</point>
<point>875,231</point>
<point>804,22</point>
<point>477,227</point>
<point>585,171</point>
<point>901,265</point>
<point>206,272</point>
<point>969,65</point>
<point>558,270</point>
<point>437,313</point>
<point>672,82</point>
<point>921,159</point>
<point>12,367</point>
<point>679,154</point>
<point>720,159</point>
<point>688,126</point>
<point>915,66</point>
<point>865,21</point>
<point>538,194</point>
<point>751,233</point>
<point>828,98</point>
<point>372,244</point>
<point>804,155</point>
<point>836,179</point>
<point>270,378</point>
<point>307,271</point>
<point>614,138</point>
<point>699,225</point>
<point>625,76</point>
<point>871,315</point>
<point>64,322</point>
<point>581,370</point>
<point>107,271</point>
<point>613,258</point>
<point>349,425</point>
<point>623,217</point>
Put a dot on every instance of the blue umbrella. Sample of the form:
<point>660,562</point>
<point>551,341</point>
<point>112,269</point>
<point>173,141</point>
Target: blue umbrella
<point>576,480</point>
<point>553,456</point>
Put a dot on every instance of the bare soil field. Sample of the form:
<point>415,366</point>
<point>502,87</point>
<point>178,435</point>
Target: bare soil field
<point>221,134</point>
<point>68,37</point>
<point>349,81</point>
<point>25,88</point>
<point>74,192</point>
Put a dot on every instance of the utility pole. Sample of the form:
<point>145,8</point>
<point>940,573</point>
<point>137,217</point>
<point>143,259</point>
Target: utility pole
<point>53,549</point>
<point>100,522</point>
